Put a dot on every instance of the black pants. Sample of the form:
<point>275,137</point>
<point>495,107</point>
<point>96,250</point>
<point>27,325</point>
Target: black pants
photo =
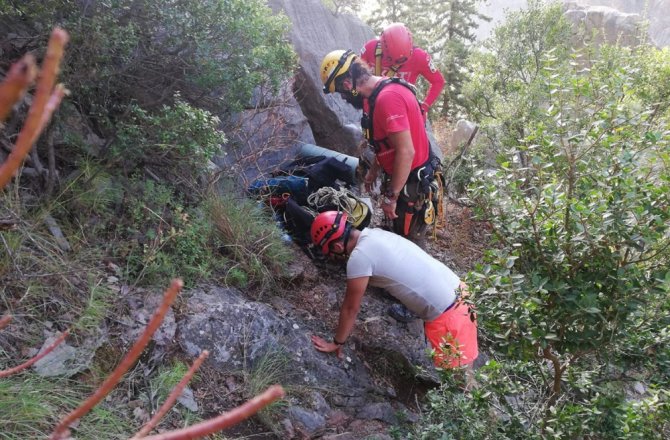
<point>411,210</point>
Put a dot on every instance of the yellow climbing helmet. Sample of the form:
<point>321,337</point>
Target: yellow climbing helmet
<point>335,64</point>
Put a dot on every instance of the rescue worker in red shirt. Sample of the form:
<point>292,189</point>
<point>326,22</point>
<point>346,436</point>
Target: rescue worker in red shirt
<point>397,134</point>
<point>393,54</point>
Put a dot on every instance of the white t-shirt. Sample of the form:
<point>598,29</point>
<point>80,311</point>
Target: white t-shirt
<point>424,285</point>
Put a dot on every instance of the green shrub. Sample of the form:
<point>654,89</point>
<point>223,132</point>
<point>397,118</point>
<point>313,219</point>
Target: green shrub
<point>216,52</point>
<point>574,292</point>
<point>581,212</point>
<point>163,239</point>
<point>510,402</point>
<point>249,239</point>
<point>177,140</point>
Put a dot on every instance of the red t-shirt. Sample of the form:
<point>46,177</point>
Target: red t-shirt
<point>396,110</point>
<point>419,63</point>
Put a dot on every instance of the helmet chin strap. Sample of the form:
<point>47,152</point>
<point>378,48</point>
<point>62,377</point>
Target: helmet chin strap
<point>347,231</point>
<point>345,242</point>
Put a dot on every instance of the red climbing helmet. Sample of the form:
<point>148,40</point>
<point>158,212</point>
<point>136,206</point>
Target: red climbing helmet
<point>328,227</point>
<point>396,42</point>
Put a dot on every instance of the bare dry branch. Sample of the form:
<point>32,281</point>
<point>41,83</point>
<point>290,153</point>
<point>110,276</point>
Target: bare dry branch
<point>226,420</point>
<point>27,364</point>
<point>45,102</point>
<point>172,398</point>
<point>20,76</point>
<point>61,431</point>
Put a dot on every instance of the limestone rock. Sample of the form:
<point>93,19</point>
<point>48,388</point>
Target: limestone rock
<point>315,32</point>
<point>461,134</point>
<point>239,333</point>
<point>143,305</point>
<point>309,422</point>
<point>596,25</point>
<point>67,360</point>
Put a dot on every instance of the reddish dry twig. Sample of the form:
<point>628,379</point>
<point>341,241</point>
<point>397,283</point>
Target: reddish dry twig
<point>45,98</point>
<point>172,398</point>
<point>226,420</point>
<point>61,431</point>
<point>20,76</point>
<point>5,320</point>
<point>27,364</point>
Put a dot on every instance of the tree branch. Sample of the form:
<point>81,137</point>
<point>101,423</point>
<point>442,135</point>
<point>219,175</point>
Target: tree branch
<point>172,398</point>
<point>225,420</point>
<point>61,431</point>
<point>29,363</point>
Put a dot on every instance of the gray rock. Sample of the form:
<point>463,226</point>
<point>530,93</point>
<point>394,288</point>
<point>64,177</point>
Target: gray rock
<point>315,32</point>
<point>310,422</point>
<point>378,411</point>
<point>239,333</point>
<point>67,360</point>
<point>639,388</point>
<point>461,134</point>
<point>188,400</point>
<point>318,403</point>
<point>143,304</point>
<point>405,415</point>
<point>656,11</point>
<point>287,427</point>
<point>270,132</point>
<point>596,25</point>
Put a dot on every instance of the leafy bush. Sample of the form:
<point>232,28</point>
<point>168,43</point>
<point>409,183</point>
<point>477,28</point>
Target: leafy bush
<point>502,92</point>
<point>510,402</point>
<point>214,51</point>
<point>581,211</point>
<point>177,140</point>
<point>163,237</point>
<point>574,293</point>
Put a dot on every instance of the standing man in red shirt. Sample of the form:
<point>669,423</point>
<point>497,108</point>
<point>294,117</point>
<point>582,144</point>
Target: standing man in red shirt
<point>397,134</point>
<point>393,54</point>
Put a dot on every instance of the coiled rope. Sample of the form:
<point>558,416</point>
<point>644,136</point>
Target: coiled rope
<point>343,199</point>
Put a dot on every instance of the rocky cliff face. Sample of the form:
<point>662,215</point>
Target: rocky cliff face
<point>656,11</point>
<point>316,31</point>
<point>595,25</point>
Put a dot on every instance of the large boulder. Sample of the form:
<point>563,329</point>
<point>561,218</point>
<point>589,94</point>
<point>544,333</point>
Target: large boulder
<point>656,11</point>
<point>240,333</point>
<point>315,32</point>
<point>596,25</point>
<point>268,133</point>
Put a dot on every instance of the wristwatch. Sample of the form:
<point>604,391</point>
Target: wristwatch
<point>336,342</point>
